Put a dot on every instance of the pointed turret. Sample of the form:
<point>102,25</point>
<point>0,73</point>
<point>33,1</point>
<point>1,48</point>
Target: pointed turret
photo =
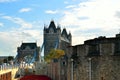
<point>64,32</point>
<point>70,37</point>
<point>58,29</point>
<point>52,27</point>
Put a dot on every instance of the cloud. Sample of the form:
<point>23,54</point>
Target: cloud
<point>70,6</point>
<point>51,11</point>
<point>117,14</point>
<point>8,42</point>
<point>2,1</point>
<point>1,24</point>
<point>12,39</point>
<point>31,34</point>
<point>25,10</point>
<point>93,15</point>
<point>23,24</point>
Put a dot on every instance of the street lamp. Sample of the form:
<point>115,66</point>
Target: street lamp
<point>71,69</point>
<point>89,62</point>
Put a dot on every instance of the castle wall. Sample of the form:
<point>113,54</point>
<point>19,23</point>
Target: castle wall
<point>105,66</point>
<point>64,45</point>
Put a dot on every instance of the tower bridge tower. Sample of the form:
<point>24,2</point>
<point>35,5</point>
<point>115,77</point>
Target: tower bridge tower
<point>28,52</point>
<point>55,39</point>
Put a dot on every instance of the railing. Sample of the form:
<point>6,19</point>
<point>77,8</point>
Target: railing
<point>13,70</point>
<point>5,67</point>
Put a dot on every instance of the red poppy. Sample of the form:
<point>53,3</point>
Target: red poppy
<point>35,77</point>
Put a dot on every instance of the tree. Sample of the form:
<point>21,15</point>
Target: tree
<point>5,60</point>
<point>54,54</point>
<point>10,58</point>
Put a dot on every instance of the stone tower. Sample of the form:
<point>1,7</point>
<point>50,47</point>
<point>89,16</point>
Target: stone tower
<point>55,39</point>
<point>28,52</point>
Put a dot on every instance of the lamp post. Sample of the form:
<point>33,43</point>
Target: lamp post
<point>71,69</point>
<point>89,68</point>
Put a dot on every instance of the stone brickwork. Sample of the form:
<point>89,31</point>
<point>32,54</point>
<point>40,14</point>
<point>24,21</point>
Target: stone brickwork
<point>55,39</point>
<point>97,60</point>
<point>27,51</point>
<point>53,70</point>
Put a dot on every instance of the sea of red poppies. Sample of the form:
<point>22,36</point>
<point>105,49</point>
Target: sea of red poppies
<point>35,77</point>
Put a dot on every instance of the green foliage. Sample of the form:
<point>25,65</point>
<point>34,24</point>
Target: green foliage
<point>54,54</point>
<point>5,60</point>
<point>10,58</point>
